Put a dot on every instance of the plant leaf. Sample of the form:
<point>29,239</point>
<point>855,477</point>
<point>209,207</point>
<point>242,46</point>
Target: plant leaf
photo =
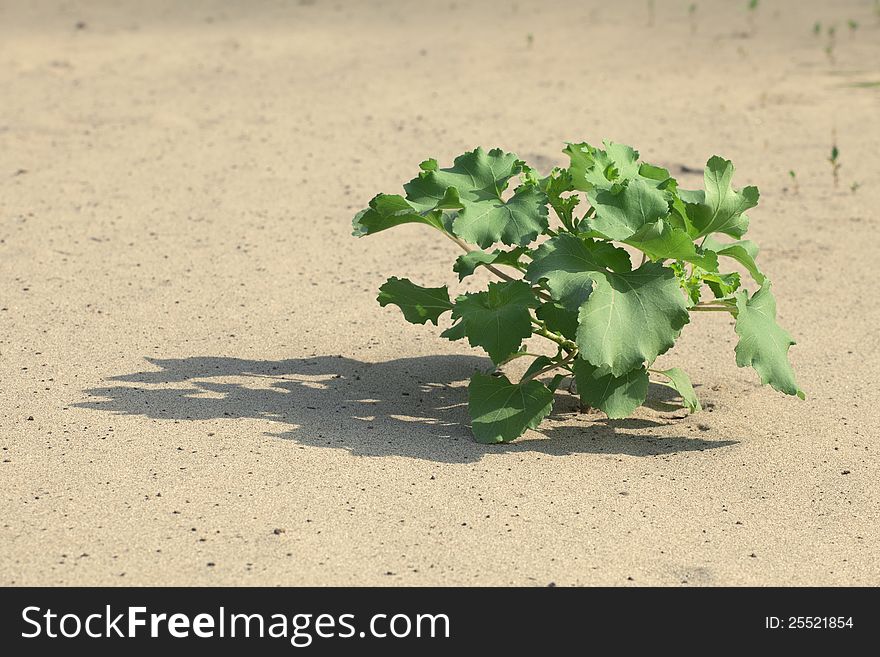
<point>592,167</point>
<point>624,209</point>
<point>722,285</point>
<point>537,365</point>
<point>498,319</point>
<point>631,318</point>
<point>681,383</point>
<point>743,251</point>
<point>566,262</point>
<point>467,263</point>
<point>720,208</point>
<point>660,241</point>
<point>390,210</point>
<point>763,344</point>
<point>558,319</point>
<point>502,411</point>
<point>479,179</point>
<point>554,186</point>
<point>419,304</point>
<point>617,396</point>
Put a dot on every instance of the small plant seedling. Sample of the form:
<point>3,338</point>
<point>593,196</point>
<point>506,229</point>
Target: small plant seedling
<point>817,28</point>
<point>829,46</point>
<point>853,25</point>
<point>609,281</point>
<point>650,13</point>
<point>855,186</point>
<point>834,159</point>
<point>794,181</point>
<point>530,39</point>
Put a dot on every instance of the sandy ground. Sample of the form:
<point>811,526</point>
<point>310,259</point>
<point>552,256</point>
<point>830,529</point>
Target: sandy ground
<point>198,387</point>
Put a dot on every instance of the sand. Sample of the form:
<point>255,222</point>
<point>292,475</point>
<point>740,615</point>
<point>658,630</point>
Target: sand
<point>198,386</point>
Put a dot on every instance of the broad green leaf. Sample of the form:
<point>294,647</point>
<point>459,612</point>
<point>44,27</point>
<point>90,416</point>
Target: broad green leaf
<point>631,318</point>
<point>454,332</point>
<point>419,304</point>
<point>558,319</point>
<point>502,411</point>
<point>480,179</point>
<point>624,209</point>
<point>720,208</point>
<point>681,383</point>
<point>660,241</point>
<point>517,221</point>
<point>467,263</point>
<point>567,262</point>
<point>390,210</point>
<point>498,319</point>
<point>722,285</point>
<point>762,343</point>
<point>743,251</point>
<point>617,396</point>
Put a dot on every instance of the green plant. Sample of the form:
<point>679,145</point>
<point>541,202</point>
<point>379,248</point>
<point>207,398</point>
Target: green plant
<point>853,25</point>
<point>832,42</point>
<point>794,181</point>
<point>854,187</point>
<point>573,281</point>
<point>817,28</point>
<point>692,17</point>
<point>834,160</point>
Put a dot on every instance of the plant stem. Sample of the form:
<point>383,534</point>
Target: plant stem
<point>555,337</point>
<point>709,309</point>
<point>519,354</point>
<point>549,368</point>
<point>466,247</point>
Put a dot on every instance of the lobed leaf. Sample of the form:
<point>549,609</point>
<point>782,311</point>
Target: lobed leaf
<point>719,209</point>
<point>623,209</point>
<point>419,304</point>
<point>567,262</point>
<point>681,383</point>
<point>498,320</point>
<point>390,210</point>
<point>467,263</point>
<point>763,344</point>
<point>660,241</point>
<point>631,318</point>
<point>743,251</point>
<point>502,411</point>
<point>616,396</point>
<point>479,180</point>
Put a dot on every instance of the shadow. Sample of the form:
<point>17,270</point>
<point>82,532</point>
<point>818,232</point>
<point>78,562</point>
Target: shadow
<point>414,407</point>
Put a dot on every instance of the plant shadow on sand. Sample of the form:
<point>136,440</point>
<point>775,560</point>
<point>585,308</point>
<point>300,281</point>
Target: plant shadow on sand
<point>414,407</point>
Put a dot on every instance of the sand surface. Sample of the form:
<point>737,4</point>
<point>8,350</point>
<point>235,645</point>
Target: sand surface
<point>198,387</point>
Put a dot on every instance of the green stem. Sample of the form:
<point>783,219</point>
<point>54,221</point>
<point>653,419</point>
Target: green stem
<point>519,354</point>
<point>562,363</point>
<point>467,249</point>
<point>710,309</point>
<point>555,337</point>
